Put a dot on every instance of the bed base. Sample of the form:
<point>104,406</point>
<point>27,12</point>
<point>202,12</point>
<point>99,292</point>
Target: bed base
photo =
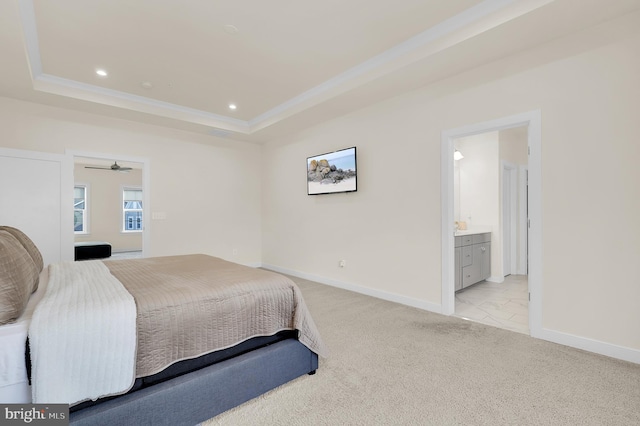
<point>203,394</point>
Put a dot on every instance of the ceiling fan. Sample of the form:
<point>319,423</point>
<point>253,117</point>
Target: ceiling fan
<point>115,167</point>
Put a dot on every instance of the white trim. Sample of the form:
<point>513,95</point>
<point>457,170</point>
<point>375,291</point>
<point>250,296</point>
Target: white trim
<point>509,200</point>
<point>384,295</point>
<point>30,32</point>
<point>124,188</point>
<point>88,92</point>
<point>447,227</point>
<point>595,346</point>
<point>522,220</point>
<point>532,120</point>
<point>146,187</point>
<point>405,52</point>
<point>591,345</point>
<point>87,217</point>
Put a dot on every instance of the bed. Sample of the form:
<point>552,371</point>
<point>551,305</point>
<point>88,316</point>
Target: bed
<point>204,335</point>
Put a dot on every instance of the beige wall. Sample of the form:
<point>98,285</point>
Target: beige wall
<point>207,187</point>
<point>219,195</point>
<point>513,145</point>
<point>586,87</point>
<point>104,206</point>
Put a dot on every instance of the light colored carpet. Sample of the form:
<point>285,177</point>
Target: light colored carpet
<point>395,365</point>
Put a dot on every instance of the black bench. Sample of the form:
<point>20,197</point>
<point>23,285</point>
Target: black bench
<point>92,250</point>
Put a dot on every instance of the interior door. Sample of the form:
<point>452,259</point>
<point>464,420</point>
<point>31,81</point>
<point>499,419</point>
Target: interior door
<point>31,199</point>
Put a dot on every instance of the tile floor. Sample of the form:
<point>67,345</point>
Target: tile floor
<point>504,305</point>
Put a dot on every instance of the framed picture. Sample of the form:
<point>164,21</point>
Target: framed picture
<point>332,172</point>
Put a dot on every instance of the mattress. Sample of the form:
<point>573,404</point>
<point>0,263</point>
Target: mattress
<point>14,381</point>
<point>211,317</point>
<point>213,302</point>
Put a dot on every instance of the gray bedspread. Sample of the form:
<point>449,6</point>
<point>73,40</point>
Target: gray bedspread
<point>191,305</point>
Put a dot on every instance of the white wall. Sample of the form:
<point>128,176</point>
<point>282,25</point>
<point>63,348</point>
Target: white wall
<point>586,87</point>
<point>209,188</point>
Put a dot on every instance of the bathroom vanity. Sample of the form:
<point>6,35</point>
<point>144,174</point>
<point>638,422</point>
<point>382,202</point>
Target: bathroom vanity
<point>472,258</point>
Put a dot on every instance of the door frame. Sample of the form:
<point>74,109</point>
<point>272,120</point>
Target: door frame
<point>146,186</point>
<point>532,120</point>
<point>509,221</point>
<point>523,244</point>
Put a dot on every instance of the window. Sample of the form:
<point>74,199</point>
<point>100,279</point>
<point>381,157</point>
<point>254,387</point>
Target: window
<point>80,209</point>
<point>132,209</point>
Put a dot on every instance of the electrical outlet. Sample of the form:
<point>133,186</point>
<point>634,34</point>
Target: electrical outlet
<point>342,263</point>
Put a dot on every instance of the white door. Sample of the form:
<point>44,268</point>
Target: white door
<point>32,199</point>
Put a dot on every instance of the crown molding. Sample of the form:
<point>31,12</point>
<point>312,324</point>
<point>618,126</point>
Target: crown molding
<point>463,26</point>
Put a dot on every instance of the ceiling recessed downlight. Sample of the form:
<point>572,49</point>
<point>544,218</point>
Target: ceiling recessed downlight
<point>233,107</point>
<point>101,72</point>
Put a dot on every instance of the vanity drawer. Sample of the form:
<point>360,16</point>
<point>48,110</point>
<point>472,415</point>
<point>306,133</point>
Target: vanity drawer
<point>482,238</point>
<point>467,240</point>
<point>467,256</point>
<point>470,274</point>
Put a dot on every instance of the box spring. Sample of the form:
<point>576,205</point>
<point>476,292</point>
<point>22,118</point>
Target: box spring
<point>200,395</point>
<point>190,365</point>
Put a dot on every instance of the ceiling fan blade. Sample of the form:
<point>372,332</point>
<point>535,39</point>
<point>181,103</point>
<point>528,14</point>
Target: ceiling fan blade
<point>114,167</point>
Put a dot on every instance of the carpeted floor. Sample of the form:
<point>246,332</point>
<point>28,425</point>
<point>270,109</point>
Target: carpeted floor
<point>395,365</point>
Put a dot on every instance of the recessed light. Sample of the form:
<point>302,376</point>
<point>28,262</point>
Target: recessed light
<point>101,72</point>
<point>233,106</point>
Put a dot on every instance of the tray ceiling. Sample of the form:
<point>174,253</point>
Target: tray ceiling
<point>182,63</point>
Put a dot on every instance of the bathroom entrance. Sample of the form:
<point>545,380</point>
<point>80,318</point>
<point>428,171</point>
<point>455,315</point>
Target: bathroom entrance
<point>487,199</point>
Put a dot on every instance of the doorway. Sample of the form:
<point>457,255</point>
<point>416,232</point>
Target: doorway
<point>131,181</point>
<point>532,122</point>
<point>486,195</point>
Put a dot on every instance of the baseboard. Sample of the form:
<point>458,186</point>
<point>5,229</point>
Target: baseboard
<point>384,295</point>
<point>589,345</point>
<point>495,279</point>
<point>584,343</point>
